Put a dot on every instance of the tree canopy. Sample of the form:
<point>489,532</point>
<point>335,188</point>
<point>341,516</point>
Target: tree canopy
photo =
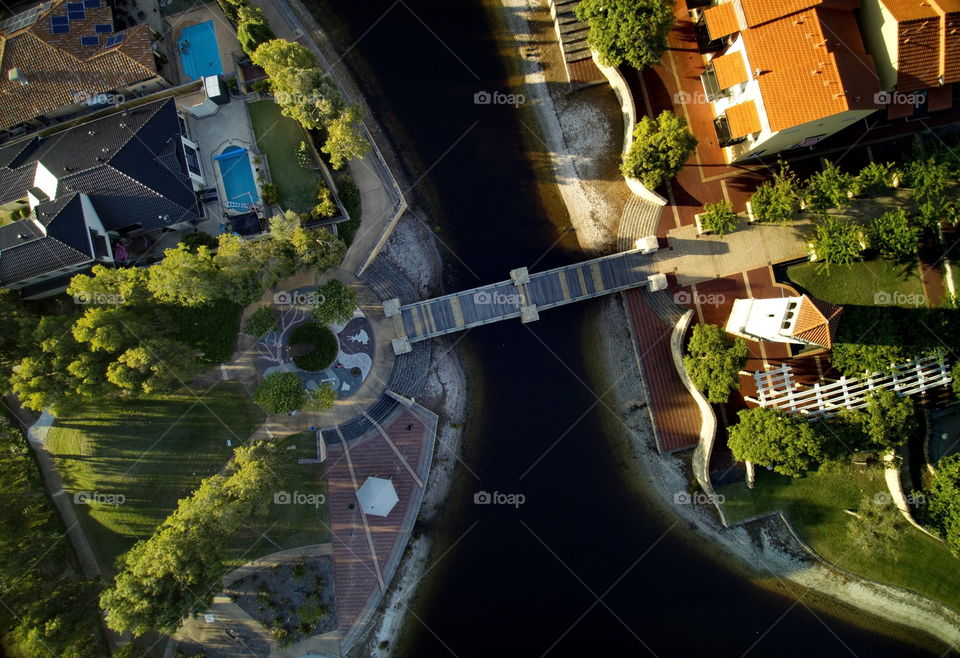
<point>280,393</point>
<point>943,501</point>
<point>837,241</point>
<point>894,235</point>
<point>713,363</point>
<point>767,437</point>
<point>719,218</point>
<point>886,422</point>
<point>777,201</point>
<point>660,148</point>
<point>336,303</point>
<point>634,31</point>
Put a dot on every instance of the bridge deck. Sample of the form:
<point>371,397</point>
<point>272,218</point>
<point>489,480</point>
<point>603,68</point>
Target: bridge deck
<point>504,300</point>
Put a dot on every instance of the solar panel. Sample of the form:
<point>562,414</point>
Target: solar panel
<point>114,40</point>
<point>76,14</point>
<point>90,41</point>
<point>91,4</point>
<point>103,28</point>
<point>61,26</point>
<point>74,6</point>
<point>20,21</point>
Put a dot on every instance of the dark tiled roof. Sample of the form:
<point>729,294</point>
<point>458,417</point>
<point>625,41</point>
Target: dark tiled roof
<point>63,220</point>
<point>36,257</point>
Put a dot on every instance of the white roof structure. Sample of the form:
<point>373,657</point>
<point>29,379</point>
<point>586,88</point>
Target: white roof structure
<point>377,496</point>
<point>800,320</point>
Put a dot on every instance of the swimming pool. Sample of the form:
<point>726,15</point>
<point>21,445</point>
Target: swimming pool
<point>199,54</point>
<point>237,176</point>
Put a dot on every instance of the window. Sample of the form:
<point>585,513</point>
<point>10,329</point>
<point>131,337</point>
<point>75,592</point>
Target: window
<point>193,161</point>
<point>91,4</point>
<point>75,11</point>
<point>114,40</point>
<point>59,24</point>
<point>103,28</point>
<point>710,84</point>
<point>723,132</point>
<point>90,41</point>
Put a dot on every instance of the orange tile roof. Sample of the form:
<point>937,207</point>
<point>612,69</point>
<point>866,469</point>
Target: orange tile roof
<point>928,42</point>
<point>730,70</point>
<point>816,321</point>
<point>807,72</point>
<point>743,119</point>
<point>722,20</point>
<point>60,72</point>
<point>909,10</point>
<point>949,39</point>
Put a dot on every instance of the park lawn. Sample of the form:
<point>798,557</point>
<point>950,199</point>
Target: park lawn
<point>815,506</point>
<point>278,138</point>
<point>285,526</point>
<point>152,451</point>
<point>858,282</point>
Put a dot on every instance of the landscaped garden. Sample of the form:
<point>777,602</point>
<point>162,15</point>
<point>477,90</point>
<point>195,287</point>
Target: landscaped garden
<point>816,506</point>
<point>877,281</point>
<point>313,347</point>
<point>278,138</point>
<point>152,453</point>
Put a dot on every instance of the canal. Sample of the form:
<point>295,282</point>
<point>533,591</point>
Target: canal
<point>524,581</point>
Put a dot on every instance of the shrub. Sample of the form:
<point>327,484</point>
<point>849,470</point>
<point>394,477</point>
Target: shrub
<point>320,399</point>
<point>719,218</point>
<point>875,178</point>
<point>837,242</point>
<point>713,363</point>
<point>659,149</point>
<point>634,31</point>
<point>777,201</point>
<point>943,501</point>
<point>336,303</point>
<point>261,322</point>
<point>830,188</point>
<point>271,194</point>
<point>304,157</point>
<point>312,613</point>
<point>198,239</point>
<point>893,235</point>
<point>325,207</point>
<point>279,393</point>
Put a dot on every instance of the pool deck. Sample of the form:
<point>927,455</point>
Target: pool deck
<point>227,44</point>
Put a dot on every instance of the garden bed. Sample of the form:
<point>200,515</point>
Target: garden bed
<point>313,347</point>
<point>295,600</point>
<point>868,283</point>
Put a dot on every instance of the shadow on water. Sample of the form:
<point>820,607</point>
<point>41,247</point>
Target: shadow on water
<point>525,580</point>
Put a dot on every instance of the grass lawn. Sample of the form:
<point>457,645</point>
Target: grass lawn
<point>288,525</point>
<point>857,283</point>
<point>278,138</point>
<point>815,506</point>
<point>153,452</point>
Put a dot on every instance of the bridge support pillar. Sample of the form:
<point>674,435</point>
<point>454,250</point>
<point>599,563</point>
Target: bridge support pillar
<point>520,276</point>
<point>656,282</point>
<point>391,307</point>
<point>401,346</point>
<point>529,313</point>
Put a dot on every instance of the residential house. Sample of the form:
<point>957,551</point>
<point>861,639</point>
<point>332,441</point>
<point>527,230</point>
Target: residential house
<point>803,320</point>
<point>89,186</point>
<point>787,74</point>
<point>916,47</point>
<point>61,58</point>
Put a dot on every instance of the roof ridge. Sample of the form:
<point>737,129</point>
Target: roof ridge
<point>150,189</point>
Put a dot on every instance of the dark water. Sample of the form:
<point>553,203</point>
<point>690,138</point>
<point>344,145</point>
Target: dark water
<point>522,582</point>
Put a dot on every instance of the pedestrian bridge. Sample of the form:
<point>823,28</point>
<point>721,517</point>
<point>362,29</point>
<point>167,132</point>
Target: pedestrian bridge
<point>523,296</point>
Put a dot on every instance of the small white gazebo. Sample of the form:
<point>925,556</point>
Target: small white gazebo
<point>377,496</point>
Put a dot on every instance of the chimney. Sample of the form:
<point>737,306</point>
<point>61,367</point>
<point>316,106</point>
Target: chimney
<point>16,75</point>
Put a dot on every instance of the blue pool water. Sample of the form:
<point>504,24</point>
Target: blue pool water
<point>237,176</point>
<point>199,54</point>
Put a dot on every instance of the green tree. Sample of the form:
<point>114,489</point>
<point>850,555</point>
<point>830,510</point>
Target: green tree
<point>320,399</point>
<point>894,236</point>
<point>713,363</point>
<point>280,393</point>
<point>829,188</point>
<point>660,148</point>
<point>107,286</point>
<point>837,241</point>
<point>185,278</point>
<point>157,365</point>
<point>719,218</point>
<point>253,28</point>
<point>199,239</point>
<point>344,141</point>
<point>177,571</point>
<point>335,303</point>
<point>261,322</point>
<point>933,194</point>
<point>325,207</point>
<point>627,30</point>
<point>886,422</point>
<point>877,527</point>
<point>316,248</point>
<point>768,437</point>
<point>777,201</point>
<point>943,501</point>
